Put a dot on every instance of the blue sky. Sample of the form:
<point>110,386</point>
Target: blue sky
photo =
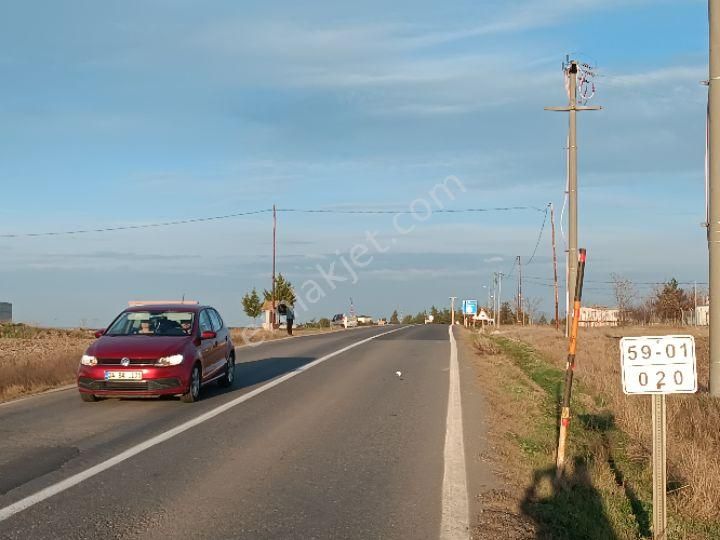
<point>120,113</point>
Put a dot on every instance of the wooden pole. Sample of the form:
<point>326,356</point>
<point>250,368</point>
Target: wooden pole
<point>570,366</point>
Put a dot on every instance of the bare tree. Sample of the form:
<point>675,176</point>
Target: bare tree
<point>532,305</point>
<point>625,295</point>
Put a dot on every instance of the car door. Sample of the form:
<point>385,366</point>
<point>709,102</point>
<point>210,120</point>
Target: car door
<point>221,349</point>
<point>207,346</point>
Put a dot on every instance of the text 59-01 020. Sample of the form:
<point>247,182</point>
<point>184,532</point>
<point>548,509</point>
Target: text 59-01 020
<point>658,365</point>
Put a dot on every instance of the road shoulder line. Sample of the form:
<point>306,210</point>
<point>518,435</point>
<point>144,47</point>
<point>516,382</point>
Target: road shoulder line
<point>455,520</point>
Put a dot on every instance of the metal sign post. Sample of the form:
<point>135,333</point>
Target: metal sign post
<point>659,365</point>
<point>659,447</point>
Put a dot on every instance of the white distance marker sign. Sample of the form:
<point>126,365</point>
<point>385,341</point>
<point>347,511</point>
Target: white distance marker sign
<point>658,365</point>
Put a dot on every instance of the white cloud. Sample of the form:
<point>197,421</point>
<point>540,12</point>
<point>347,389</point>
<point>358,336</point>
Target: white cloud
<point>406,274</point>
<point>669,76</point>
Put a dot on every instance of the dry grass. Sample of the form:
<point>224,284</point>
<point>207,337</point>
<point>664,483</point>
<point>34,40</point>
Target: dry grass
<point>693,420</point>
<point>37,359</point>
<point>521,426</point>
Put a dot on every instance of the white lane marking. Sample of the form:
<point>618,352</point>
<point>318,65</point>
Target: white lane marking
<point>75,479</point>
<point>455,522</point>
<point>256,344</point>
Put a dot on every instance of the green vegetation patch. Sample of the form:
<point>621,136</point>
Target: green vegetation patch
<point>604,494</point>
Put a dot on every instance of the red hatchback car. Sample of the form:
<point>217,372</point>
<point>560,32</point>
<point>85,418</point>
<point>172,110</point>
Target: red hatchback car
<point>154,350</point>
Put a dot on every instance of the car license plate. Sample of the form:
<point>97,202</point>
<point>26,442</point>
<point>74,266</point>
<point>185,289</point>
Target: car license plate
<point>123,375</point>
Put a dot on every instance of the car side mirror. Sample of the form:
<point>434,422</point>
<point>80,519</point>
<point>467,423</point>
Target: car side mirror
<point>99,333</point>
<point>208,334</point>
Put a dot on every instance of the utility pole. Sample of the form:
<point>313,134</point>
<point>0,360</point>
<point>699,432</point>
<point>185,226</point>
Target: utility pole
<point>521,315</point>
<point>489,294</point>
<point>571,72</point>
<point>498,297</point>
<point>555,274</point>
<point>273,322</point>
<point>495,295</point>
<point>714,192</point>
<point>452,310</point>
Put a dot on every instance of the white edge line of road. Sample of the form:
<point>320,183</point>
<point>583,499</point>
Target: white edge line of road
<point>455,521</point>
<point>76,479</point>
<point>266,341</point>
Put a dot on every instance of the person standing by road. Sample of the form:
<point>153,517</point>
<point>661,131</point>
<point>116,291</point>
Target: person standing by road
<point>289,319</point>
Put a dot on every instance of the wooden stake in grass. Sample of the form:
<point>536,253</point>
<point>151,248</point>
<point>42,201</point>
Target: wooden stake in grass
<point>570,366</point>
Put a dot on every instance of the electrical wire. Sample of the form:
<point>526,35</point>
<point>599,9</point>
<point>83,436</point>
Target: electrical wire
<point>438,211</point>
<point>256,212</point>
<point>510,273</point>
<point>537,244</point>
<point>132,227</point>
<point>634,282</point>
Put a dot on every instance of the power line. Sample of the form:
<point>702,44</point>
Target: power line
<point>262,211</point>
<point>542,228</point>
<point>510,273</point>
<point>632,282</point>
<point>438,211</point>
<point>131,227</point>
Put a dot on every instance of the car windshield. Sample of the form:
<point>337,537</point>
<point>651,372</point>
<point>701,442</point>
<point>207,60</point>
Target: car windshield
<point>152,323</point>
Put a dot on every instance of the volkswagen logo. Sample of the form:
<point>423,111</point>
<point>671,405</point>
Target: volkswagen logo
<point>125,361</point>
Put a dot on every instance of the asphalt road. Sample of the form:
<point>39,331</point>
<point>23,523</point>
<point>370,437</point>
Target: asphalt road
<point>345,449</point>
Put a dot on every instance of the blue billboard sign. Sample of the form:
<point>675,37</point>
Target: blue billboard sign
<point>470,307</point>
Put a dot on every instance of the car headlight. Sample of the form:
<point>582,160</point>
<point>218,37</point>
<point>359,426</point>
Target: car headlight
<point>88,360</point>
<point>173,360</point>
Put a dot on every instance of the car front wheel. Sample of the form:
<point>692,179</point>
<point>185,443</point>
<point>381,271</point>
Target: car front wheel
<point>88,398</point>
<point>193,393</point>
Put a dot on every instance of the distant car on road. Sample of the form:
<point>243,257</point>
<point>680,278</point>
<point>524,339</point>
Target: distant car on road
<point>342,320</point>
<point>154,350</point>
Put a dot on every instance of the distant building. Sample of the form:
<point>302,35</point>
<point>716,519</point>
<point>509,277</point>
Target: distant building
<point>598,316</point>
<point>267,314</point>
<point>5,312</point>
<point>267,311</point>
<point>702,315</point>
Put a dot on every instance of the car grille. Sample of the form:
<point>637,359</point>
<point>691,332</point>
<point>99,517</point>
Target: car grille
<point>129,386</point>
<point>133,362</point>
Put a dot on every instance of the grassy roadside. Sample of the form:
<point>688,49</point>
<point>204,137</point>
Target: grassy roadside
<point>35,359</point>
<point>606,492</point>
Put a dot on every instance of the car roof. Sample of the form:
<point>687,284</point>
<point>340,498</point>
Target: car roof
<point>193,308</point>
